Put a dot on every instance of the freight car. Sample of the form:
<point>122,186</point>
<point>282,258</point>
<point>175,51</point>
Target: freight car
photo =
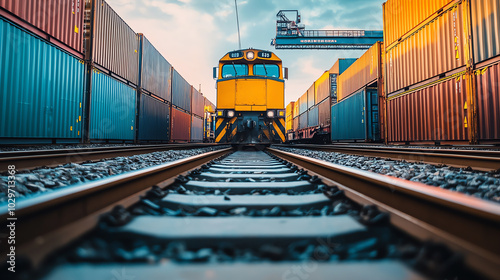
<point>250,98</point>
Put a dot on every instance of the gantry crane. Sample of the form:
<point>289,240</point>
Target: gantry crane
<point>292,35</point>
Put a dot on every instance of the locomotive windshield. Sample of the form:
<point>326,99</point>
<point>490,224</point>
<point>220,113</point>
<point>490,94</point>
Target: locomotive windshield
<point>269,70</point>
<point>233,70</point>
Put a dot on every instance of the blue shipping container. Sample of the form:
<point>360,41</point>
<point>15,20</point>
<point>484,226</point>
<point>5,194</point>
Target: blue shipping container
<point>156,75</point>
<point>181,92</point>
<point>338,68</point>
<point>154,119</point>
<point>303,121</point>
<point>313,117</point>
<point>356,117</point>
<point>41,89</point>
<point>112,109</point>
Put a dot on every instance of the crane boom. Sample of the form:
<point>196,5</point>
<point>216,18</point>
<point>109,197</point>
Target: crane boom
<point>293,35</point>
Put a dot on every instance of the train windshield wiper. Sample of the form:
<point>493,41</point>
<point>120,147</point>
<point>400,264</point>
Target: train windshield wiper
<point>235,72</point>
<point>265,69</point>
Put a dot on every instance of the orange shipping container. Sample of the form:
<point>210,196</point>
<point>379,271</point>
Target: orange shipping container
<point>364,72</point>
<point>488,102</point>
<point>322,87</point>
<point>296,108</point>
<point>436,48</point>
<point>485,29</point>
<point>402,16</point>
<point>289,116</point>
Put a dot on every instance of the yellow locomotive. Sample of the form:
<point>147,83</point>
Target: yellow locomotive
<point>250,98</point>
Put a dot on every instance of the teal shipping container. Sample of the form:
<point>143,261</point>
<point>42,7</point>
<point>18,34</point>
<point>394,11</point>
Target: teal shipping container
<point>41,90</point>
<point>154,119</point>
<point>356,118</point>
<point>112,109</point>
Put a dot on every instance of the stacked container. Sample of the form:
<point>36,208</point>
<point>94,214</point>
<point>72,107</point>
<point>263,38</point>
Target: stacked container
<point>42,74</point>
<point>155,94</point>
<point>438,85</point>
<point>338,68</point>
<point>355,116</point>
<point>197,105</point>
<point>209,121</point>
<point>289,120</point>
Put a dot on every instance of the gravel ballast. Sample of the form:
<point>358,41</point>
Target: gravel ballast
<point>48,179</point>
<point>484,185</point>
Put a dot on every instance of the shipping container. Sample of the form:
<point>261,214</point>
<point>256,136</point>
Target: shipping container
<point>289,116</point>
<point>196,129</point>
<point>197,103</point>
<point>402,16</point>
<point>365,71</point>
<point>296,108</point>
<point>180,126</point>
<point>341,65</point>
<point>356,118</point>
<point>57,21</point>
<point>434,113</point>
<point>437,48</point>
<point>303,103</point>
<point>181,92</point>
<point>154,119</point>
<point>324,113</point>
<point>303,121</point>
<point>311,96</point>
<point>312,117</point>
<point>322,87</point>
<point>485,29</point>
<point>112,109</point>
<point>209,106</point>
<point>115,44</point>
<point>41,88</point>
<point>156,72</point>
<point>296,123</point>
<point>488,102</point>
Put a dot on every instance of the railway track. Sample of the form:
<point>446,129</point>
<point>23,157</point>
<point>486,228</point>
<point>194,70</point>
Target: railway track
<point>36,158</point>
<point>482,160</point>
<point>259,215</point>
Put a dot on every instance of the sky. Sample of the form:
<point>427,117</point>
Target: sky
<point>194,34</point>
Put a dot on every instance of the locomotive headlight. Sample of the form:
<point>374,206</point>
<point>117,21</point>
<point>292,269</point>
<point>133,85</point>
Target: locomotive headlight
<point>230,113</point>
<point>281,113</point>
<point>270,114</point>
<point>250,55</point>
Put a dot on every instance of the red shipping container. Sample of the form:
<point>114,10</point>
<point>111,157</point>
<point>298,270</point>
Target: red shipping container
<point>181,126</point>
<point>61,20</point>
<point>434,113</point>
<point>488,102</point>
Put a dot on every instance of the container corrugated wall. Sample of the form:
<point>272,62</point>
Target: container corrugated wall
<point>322,87</point>
<point>435,113</point>
<point>365,71</point>
<point>296,123</point>
<point>181,92</point>
<point>435,49</point>
<point>312,117</point>
<point>303,121</point>
<point>197,103</point>
<point>296,108</point>
<point>485,29</point>
<point>303,103</point>
<point>41,87</point>
<point>401,16</point>
<point>61,19</point>
<point>112,109</point>
<point>156,76</point>
<point>488,102</point>
<point>196,129</point>
<point>180,126</point>
<point>324,113</point>
<point>116,45</point>
<point>356,117</point>
<point>311,96</point>
<point>154,121</point>
<point>341,65</point>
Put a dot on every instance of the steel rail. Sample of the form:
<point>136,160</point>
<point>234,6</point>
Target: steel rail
<point>483,160</point>
<point>37,158</point>
<point>40,215</point>
<point>466,224</point>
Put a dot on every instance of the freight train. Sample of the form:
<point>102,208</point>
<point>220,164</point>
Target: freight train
<point>250,98</point>
<point>434,80</point>
<point>78,73</point>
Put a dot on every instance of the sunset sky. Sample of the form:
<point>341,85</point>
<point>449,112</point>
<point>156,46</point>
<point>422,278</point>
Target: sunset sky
<point>194,34</point>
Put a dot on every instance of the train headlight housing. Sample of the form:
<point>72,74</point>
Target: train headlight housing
<point>250,55</point>
<point>270,114</point>
<point>220,113</point>
<point>281,113</point>
<point>230,113</point>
